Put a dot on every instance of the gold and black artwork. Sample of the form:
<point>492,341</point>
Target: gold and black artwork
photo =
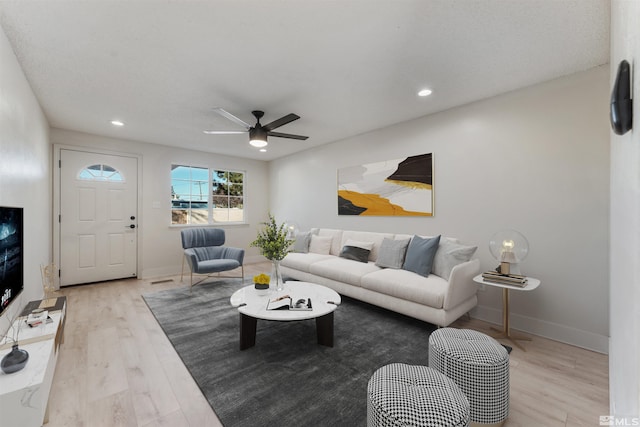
<point>400,187</point>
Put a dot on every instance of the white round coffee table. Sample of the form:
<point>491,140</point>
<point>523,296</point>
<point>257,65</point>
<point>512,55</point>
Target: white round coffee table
<point>252,305</point>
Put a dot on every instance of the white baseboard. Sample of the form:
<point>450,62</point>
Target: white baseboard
<point>543,328</point>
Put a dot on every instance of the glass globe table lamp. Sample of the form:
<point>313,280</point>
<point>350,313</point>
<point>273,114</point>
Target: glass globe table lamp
<point>291,228</point>
<point>510,248</point>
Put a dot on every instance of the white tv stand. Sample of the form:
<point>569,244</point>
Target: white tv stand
<point>24,394</point>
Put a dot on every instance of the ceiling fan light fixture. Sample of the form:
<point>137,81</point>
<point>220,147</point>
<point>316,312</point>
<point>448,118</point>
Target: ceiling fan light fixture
<point>258,143</point>
<point>258,137</point>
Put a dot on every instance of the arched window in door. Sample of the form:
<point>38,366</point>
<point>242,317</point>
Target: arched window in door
<point>101,173</point>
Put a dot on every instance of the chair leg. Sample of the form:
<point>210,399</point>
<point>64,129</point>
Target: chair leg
<point>217,274</point>
<point>182,272</point>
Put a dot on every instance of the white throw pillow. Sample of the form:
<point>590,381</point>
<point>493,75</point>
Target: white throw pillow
<point>320,244</point>
<point>449,255</point>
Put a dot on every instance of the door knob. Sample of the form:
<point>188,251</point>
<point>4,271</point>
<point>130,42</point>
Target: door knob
<point>132,226</point>
<point>132,217</point>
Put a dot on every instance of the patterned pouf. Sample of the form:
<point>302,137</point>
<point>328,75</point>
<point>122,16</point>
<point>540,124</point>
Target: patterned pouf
<point>407,395</point>
<point>479,365</point>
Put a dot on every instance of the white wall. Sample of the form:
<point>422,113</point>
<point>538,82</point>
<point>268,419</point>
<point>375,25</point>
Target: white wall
<point>624,362</point>
<point>536,160</point>
<point>25,171</point>
<point>160,249</point>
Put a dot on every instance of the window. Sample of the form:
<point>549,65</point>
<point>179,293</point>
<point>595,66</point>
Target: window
<point>100,173</point>
<point>203,196</point>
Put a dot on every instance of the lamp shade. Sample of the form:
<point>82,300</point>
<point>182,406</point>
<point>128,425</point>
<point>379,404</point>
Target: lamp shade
<point>509,246</point>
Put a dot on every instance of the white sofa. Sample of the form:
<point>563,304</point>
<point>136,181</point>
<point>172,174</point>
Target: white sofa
<point>432,299</point>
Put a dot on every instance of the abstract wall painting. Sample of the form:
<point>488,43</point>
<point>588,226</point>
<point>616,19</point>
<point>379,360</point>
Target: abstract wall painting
<point>400,187</point>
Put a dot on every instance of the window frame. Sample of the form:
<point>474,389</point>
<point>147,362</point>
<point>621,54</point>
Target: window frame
<point>101,177</point>
<point>210,213</point>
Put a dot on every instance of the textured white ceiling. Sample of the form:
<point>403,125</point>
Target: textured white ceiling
<point>345,66</point>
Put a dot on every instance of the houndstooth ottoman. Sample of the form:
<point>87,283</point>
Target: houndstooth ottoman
<point>407,395</point>
<point>479,365</point>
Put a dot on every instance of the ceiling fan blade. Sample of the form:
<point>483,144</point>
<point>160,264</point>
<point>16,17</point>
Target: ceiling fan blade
<point>287,135</point>
<point>281,122</point>
<point>223,132</point>
<point>231,117</point>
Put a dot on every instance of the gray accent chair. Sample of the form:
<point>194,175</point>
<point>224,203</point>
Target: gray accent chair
<point>205,253</point>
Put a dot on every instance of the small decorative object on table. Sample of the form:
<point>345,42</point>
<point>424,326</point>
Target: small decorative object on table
<point>48,281</point>
<point>505,279</point>
<point>37,317</point>
<point>274,245</point>
<point>285,302</point>
<point>261,281</point>
<point>17,358</point>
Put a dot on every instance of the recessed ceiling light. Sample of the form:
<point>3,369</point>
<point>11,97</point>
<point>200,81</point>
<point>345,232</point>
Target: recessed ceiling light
<point>424,92</point>
<point>263,150</point>
<point>117,123</point>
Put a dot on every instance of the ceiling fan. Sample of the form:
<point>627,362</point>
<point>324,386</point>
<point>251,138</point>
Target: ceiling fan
<point>257,133</point>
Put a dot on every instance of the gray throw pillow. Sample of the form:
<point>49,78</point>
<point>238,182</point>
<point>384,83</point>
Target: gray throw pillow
<point>449,255</point>
<point>392,252</point>
<point>420,255</point>
<point>302,240</point>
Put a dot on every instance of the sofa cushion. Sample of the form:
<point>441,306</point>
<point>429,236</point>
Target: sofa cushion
<point>449,255</point>
<point>320,244</point>
<point>302,241</point>
<point>408,286</point>
<point>392,253</point>
<point>342,270</point>
<point>356,250</point>
<point>302,262</point>
<point>420,253</point>
<point>336,239</point>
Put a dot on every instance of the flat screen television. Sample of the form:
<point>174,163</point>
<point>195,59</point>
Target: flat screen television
<point>11,255</point>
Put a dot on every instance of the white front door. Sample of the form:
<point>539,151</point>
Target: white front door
<point>98,217</point>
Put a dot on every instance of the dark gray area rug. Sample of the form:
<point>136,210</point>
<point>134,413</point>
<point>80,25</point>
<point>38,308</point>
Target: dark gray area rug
<point>287,379</point>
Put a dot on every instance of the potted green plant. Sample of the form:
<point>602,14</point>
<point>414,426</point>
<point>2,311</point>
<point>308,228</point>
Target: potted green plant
<point>274,245</point>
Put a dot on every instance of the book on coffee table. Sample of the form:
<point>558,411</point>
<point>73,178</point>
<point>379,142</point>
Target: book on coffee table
<point>285,302</point>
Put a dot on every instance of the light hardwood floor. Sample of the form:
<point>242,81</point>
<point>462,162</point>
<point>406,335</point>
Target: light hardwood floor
<point>117,368</point>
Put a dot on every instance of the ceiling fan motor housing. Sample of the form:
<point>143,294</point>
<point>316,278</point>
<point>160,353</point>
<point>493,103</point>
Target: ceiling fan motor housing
<point>257,132</point>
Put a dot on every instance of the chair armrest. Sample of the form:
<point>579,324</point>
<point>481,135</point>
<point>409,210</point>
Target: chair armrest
<point>229,252</point>
<point>461,284</point>
<point>191,258</point>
